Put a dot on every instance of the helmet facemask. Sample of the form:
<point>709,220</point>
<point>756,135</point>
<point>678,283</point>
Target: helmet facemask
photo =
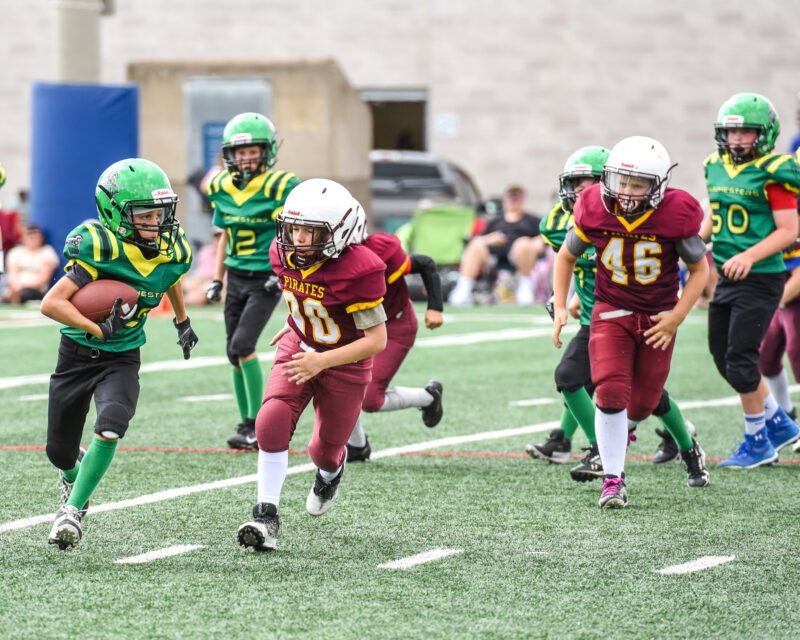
<point>642,192</point>
<point>267,160</point>
<point>739,155</point>
<point>568,182</point>
<point>303,256</point>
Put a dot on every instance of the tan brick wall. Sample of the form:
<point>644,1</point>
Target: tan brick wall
<point>529,80</point>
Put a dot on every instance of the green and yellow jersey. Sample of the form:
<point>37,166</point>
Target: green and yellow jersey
<point>105,256</point>
<point>740,209</point>
<point>553,228</point>
<point>248,215</point>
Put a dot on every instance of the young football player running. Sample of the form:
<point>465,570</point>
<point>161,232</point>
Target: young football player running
<point>401,332</point>
<point>753,195</point>
<point>336,323</point>
<point>639,229</point>
<point>140,243</point>
<point>247,196</point>
<point>573,374</point>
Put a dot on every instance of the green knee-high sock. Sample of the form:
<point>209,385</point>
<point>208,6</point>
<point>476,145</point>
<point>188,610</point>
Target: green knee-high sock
<point>241,393</point>
<point>582,408</point>
<point>568,423</point>
<point>70,474</point>
<point>254,383</point>
<point>675,423</point>
<point>93,467</point>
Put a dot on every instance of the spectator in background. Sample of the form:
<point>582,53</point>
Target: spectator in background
<point>199,279</point>
<point>20,204</point>
<point>510,240</point>
<point>30,266</point>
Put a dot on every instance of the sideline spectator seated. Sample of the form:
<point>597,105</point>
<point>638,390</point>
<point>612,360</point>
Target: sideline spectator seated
<point>30,267</point>
<point>510,241</point>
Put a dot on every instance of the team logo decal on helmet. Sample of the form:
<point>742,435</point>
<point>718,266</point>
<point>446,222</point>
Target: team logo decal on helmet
<point>328,209</point>
<point>133,187</point>
<point>635,176</point>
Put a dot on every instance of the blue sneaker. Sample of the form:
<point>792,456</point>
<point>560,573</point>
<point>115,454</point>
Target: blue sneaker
<point>782,430</point>
<point>755,451</point>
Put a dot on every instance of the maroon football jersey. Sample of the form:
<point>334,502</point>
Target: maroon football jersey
<point>321,298</point>
<point>637,264</point>
<point>388,248</point>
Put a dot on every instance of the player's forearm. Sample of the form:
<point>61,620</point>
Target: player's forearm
<point>175,295</point>
<point>562,273</point>
<point>219,268</point>
<point>371,343</point>
<point>774,243</point>
<point>792,287</point>
<point>693,289</point>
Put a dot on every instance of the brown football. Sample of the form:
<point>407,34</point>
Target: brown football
<point>95,299</point>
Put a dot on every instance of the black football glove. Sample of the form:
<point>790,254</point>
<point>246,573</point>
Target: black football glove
<point>187,338</point>
<point>214,292</point>
<point>272,286</point>
<point>116,319</point>
<point>551,308</point>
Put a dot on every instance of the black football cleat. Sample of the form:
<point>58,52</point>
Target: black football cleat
<point>590,468</point>
<point>359,454</point>
<point>556,449</point>
<point>245,436</point>
<point>261,532</point>
<point>323,494</point>
<point>432,414</point>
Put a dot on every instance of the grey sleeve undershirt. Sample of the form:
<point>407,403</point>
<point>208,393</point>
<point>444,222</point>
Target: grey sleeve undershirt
<point>691,250</point>
<point>366,318</point>
<point>575,244</point>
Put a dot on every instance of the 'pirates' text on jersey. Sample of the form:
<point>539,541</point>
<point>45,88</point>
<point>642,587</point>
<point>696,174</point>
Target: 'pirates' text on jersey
<point>321,298</point>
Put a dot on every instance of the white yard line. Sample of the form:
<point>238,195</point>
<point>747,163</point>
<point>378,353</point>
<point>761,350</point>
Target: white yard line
<point>176,550</point>
<point>696,565</point>
<point>199,362</point>
<point>420,558</point>
<point>34,396</point>
<point>209,398</point>
<point>170,494</point>
<point>533,402</point>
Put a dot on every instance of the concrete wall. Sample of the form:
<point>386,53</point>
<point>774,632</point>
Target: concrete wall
<point>527,81</point>
<point>325,126</point>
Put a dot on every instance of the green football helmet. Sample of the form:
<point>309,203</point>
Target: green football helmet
<point>245,130</point>
<point>132,187</point>
<point>747,111</point>
<point>586,162</point>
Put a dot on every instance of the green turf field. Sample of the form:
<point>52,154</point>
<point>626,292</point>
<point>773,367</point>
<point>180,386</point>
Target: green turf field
<point>532,554</point>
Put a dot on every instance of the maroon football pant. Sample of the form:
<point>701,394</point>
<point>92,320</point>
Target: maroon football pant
<point>337,394</point>
<point>628,373</point>
<point>400,335</point>
<point>783,335</point>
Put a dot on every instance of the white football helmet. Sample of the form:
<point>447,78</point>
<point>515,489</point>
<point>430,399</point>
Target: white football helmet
<point>360,229</point>
<point>635,176</point>
<point>325,206</point>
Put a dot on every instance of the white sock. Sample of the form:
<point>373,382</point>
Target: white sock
<point>753,423</point>
<point>612,440</point>
<point>462,291</point>
<point>405,397</point>
<point>524,293</point>
<point>770,406</point>
<point>327,476</point>
<point>779,386</point>
<point>272,468</point>
<point>358,438</point>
